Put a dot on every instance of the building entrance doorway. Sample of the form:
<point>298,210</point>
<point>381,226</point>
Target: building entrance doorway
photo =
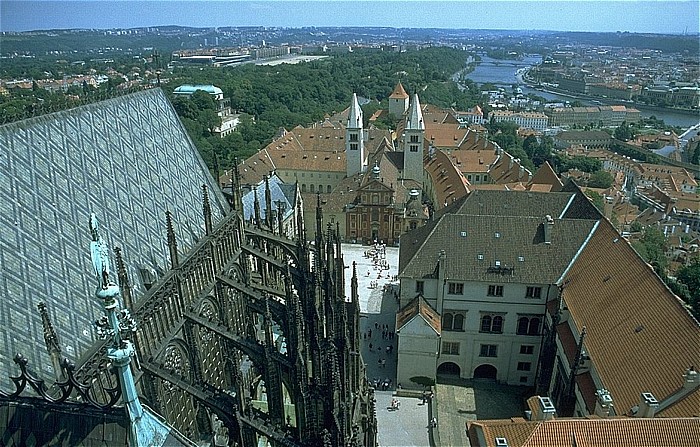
<point>448,369</point>
<point>485,372</point>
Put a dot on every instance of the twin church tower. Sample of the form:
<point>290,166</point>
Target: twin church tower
<point>410,140</point>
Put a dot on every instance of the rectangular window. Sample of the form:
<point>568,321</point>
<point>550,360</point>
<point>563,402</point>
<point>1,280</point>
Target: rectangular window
<point>488,351</point>
<point>450,348</point>
<point>527,349</point>
<point>419,286</point>
<point>495,290</point>
<point>353,146</point>
<point>533,292</point>
<point>524,366</point>
<point>353,137</point>
<point>523,379</point>
<point>414,138</point>
<point>455,288</point>
<point>413,148</point>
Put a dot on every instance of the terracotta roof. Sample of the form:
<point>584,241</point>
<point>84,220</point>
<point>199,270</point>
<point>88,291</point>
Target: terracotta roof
<point>545,175</point>
<point>609,432</point>
<point>399,92</point>
<point>508,169</point>
<point>418,306</point>
<point>473,160</point>
<point>632,348</point>
<point>448,182</point>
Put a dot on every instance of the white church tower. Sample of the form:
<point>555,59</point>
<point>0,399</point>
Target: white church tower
<point>413,137</point>
<point>354,140</point>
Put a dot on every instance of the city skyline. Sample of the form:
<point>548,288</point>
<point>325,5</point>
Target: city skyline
<point>659,17</point>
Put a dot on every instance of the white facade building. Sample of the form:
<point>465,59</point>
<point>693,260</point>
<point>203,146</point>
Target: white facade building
<point>487,267</point>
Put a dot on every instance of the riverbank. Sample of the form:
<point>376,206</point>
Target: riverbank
<point>606,101</point>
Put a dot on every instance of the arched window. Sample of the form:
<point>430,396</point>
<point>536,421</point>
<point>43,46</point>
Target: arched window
<point>447,322</point>
<point>458,323</point>
<point>534,328</point>
<point>523,323</point>
<point>497,325</point>
<point>486,323</point>
<point>328,189</point>
<point>311,187</point>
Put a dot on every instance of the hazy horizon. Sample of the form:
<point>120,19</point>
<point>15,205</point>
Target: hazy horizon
<point>658,17</point>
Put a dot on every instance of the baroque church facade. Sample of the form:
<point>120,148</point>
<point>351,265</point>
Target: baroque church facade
<point>245,336</point>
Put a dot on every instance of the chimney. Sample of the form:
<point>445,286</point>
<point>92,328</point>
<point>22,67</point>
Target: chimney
<point>647,406</point>
<point>547,225</point>
<point>603,403</point>
<point>692,379</point>
<point>510,163</point>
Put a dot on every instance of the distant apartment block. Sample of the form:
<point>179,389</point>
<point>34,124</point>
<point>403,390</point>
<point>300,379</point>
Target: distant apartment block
<point>531,120</point>
<point>587,139</point>
<point>581,116</point>
<point>685,96</point>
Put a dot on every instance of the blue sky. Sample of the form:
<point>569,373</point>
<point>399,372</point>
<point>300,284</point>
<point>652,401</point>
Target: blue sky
<point>655,16</point>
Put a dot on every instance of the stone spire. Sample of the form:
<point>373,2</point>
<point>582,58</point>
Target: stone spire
<point>354,140</point>
<point>51,340</point>
<point>412,143</point>
<point>206,209</point>
<point>256,207</point>
<point>268,204</point>
<point>172,241</point>
<point>414,119</point>
<point>355,115</point>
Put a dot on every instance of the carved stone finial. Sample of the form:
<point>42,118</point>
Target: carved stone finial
<point>123,276</point>
<point>50,337</point>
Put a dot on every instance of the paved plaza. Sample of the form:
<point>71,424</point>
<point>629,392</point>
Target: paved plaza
<point>406,426</point>
<point>460,400</point>
<point>456,400</point>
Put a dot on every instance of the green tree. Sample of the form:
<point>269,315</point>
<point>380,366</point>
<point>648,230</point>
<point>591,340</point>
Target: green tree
<point>623,132</point>
<point>689,276</point>
<point>601,179</point>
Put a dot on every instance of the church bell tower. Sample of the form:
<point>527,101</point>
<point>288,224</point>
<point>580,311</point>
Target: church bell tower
<point>354,140</point>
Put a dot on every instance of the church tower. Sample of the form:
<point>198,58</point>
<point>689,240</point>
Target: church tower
<point>354,140</point>
<point>413,137</point>
<point>398,101</point>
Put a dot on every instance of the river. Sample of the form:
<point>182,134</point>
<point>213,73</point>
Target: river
<point>503,73</point>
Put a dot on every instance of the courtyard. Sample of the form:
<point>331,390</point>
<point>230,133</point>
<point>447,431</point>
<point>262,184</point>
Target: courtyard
<point>456,400</point>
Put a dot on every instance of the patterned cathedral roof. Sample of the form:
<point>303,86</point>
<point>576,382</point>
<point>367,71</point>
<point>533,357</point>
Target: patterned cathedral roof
<point>127,160</point>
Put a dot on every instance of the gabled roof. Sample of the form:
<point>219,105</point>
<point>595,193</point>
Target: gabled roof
<point>504,249</point>
<point>418,306</point>
<point>579,432</point>
<point>545,175</point>
<point>639,335</point>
